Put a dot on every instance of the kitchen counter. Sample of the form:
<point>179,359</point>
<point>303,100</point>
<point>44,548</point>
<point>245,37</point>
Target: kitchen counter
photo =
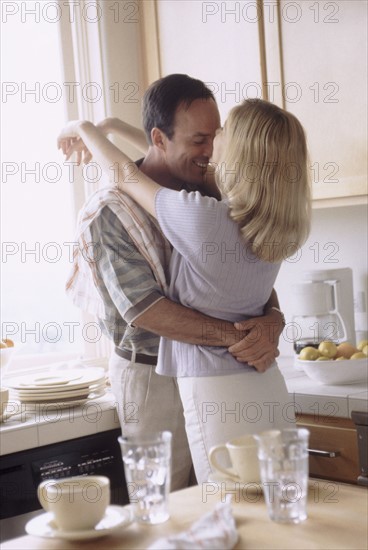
<point>31,428</point>
<point>312,398</point>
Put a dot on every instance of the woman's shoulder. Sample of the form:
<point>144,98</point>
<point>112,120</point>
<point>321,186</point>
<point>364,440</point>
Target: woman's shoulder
<point>197,198</point>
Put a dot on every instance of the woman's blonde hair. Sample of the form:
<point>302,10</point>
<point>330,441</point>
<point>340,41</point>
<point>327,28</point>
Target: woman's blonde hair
<point>263,173</point>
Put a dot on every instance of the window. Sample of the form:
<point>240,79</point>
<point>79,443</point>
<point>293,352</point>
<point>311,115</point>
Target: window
<point>37,212</point>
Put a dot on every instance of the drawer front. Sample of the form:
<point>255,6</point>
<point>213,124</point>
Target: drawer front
<point>345,466</point>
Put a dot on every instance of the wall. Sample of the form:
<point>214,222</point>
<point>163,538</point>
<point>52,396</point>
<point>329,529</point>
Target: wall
<point>338,234</point>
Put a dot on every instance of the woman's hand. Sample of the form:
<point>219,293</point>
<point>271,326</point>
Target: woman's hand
<point>83,154</point>
<point>69,142</point>
<point>70,131</point>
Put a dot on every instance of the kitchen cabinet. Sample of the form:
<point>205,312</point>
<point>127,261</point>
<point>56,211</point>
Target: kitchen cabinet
<point>332,435</point>
<point>218,42</point>
<point>321,77</point>
<point>308,57</point>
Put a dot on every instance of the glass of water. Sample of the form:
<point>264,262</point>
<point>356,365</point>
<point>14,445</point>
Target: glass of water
<point>147,466</point>
<point>283,459</point>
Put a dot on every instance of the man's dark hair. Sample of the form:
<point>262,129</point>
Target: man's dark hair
<point>164,96</point>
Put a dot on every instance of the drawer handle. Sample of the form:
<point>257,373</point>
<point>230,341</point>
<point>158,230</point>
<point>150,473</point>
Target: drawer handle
<point>325,454</point>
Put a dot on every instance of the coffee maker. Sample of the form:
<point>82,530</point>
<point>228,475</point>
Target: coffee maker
<point>323,308</point>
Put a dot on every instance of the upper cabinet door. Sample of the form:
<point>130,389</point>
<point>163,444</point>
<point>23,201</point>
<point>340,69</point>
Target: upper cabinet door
<point>317,52</point>
<point>309,56</point>
<point>217,42</point>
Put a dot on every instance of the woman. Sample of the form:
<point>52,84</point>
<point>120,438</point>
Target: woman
<point>223,250</point>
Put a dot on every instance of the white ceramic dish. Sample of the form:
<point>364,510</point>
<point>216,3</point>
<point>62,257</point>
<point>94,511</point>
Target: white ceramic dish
<point>298,364</point>
<point>50,398</point>
<point>349,371</point>
<point>59,389</point>
<point>24,395</point>
<point>56,405</point>
<point>75,379</point>
<point>61,402</point>
<point>116,517</point>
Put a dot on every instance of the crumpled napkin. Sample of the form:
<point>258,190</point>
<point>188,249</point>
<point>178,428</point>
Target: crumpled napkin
<point>216,531</point>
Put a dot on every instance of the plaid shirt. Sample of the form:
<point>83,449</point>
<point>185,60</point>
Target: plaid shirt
<point>119,267</point>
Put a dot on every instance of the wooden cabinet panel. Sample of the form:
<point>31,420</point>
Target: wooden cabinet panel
<point>333,434</point>
<point>322,74</point>
<point>308,57</point>
<point>217,42</point>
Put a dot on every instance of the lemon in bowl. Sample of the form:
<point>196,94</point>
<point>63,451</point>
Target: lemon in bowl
<point>341,364</point>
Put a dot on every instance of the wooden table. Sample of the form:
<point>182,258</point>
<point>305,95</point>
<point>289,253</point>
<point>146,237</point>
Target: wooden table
<point>337,519</point>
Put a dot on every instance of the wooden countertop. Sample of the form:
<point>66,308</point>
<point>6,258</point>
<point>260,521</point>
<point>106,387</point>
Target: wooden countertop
<point>337,519</point>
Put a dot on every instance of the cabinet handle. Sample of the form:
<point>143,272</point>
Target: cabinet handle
<point>325,454</point>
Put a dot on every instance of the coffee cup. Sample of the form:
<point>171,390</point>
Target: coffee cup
<point>242,453</point>
<point>77,503</point>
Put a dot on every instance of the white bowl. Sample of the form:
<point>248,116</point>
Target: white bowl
<point>347,371</point>
<point>5,356</point>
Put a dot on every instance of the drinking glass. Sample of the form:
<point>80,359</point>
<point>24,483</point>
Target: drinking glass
<point>283,458</point>
<point>147,466</point>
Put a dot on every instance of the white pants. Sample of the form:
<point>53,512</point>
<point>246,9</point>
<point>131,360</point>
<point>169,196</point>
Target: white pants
<point>148,402</point>
<point>220,408</point>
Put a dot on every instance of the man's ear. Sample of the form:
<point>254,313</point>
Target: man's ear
<point>158,138</point>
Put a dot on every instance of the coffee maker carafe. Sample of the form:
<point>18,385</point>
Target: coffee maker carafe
<point>324,308</point>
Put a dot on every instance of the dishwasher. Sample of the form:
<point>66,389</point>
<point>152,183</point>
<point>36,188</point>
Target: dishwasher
<point>21,473</point>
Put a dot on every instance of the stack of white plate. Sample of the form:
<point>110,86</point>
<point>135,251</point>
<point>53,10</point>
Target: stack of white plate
<point>73,387</point>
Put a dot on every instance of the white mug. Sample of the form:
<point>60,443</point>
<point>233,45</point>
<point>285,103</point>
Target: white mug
<point>243,457</point>
<point>78,503</point>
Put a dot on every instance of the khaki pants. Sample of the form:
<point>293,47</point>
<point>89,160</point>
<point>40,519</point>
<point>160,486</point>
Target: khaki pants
<point>148,402</point>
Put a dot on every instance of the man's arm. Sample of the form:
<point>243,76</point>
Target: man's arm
<point>253,341</point>
<point>177,322</point>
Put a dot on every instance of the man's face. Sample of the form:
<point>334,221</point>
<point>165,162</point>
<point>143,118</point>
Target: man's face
<point>190,149</point>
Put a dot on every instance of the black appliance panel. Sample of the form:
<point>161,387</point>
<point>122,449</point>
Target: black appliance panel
<point>21,473</point>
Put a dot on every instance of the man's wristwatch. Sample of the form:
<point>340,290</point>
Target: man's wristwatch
<point>282,315</point>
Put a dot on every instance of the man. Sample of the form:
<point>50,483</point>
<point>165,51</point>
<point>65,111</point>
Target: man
<point>180,118</point>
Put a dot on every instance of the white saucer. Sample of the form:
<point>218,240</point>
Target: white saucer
<point>58,405</point>
<point>60,390</point>
<point>57,396</point>
<point>74,379</point>
<point>232,484</point>
<point>116,517</point>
